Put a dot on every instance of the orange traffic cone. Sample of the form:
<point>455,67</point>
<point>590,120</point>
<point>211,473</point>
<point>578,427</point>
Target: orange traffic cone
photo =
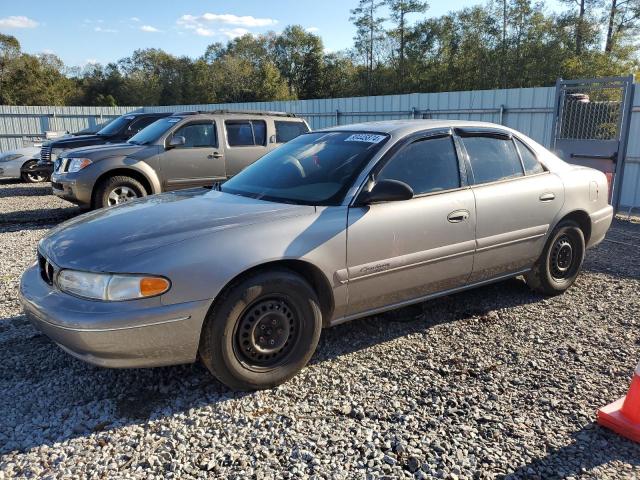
<point>623,415</point>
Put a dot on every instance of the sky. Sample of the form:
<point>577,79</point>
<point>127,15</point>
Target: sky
<point>83,32</point>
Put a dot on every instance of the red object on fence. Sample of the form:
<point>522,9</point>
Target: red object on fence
<point>623,415</point>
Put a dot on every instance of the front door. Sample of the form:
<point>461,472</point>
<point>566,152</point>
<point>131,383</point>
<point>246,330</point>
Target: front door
<point>401,251</point>
<point>198,162</point>
<point>516,202</point>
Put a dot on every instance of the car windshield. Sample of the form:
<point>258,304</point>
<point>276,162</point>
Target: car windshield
<point>312,169</point>
<point>154,131</point>
<point>115,126</point>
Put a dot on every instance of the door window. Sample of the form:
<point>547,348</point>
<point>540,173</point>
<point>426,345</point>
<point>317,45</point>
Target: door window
<point>493,158</point>
<point>286,131</point>
<point>246,133</point>
<point>529,160</point>
<point>198,135</point>
<point>428,165</point>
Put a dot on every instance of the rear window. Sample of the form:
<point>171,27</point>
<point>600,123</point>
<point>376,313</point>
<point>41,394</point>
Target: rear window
<point>492,159</point>
<point>246,133</point>
<point>529,160</point>
<point>286,131</point>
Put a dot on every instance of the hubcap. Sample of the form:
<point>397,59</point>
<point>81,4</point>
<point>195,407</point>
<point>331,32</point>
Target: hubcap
<point>121,195</point>
<point>34,177</point>
<point>266,332</point>
<point>561,257</point>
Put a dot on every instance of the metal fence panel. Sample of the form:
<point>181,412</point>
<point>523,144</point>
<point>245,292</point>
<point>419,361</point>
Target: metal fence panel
<point>20,125</point>
<point>630,192</point>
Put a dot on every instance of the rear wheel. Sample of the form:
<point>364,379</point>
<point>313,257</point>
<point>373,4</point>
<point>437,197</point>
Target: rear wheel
<point>561,260</point>
<point>30,176</point>
<point>262,330</point>
<point>116,190</point>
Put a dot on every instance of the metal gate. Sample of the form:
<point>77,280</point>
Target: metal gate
<point>591,125</point>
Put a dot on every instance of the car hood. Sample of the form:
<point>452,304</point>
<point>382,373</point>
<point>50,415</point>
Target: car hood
<point>105,240</point>
<point>98,152</point>
<point>79,141</point>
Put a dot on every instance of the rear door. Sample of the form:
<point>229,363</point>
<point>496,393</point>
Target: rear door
<point>516,202</point>
<point>246,142</point>
<point>199,162</point>
<point>400,251</point>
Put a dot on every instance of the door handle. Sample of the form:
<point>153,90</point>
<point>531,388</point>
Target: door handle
<point>458,216</point>
<point>547,197</point>
<point>214,155</point>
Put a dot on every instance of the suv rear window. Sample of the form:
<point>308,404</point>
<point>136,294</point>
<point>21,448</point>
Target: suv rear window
<point>286,131</point>
<point>246,133</point>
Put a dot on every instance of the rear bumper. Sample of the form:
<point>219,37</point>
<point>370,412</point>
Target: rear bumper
<point>118,335</point>
<point>600,223</point>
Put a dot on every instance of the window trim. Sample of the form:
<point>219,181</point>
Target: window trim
<point>403,142</point>
<point>171,134</point>
<point>253,132</point>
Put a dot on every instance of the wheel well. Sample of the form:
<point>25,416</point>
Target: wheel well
<point>309,272</point>
<point>127,172</point>
<point>583,220</point>
<point>31,160</point>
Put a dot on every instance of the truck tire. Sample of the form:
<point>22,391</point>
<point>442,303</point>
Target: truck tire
<point>116,190</point>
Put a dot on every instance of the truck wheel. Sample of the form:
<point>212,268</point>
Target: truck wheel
<point>561,260</point>
<point>116,190</point>
<point>262,330</point>
<point>29,176</point>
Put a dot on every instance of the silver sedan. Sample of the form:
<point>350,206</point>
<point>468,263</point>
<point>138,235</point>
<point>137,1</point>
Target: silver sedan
<point>334,225</point>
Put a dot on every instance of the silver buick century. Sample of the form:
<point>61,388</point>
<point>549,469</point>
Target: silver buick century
<point>334,225</point>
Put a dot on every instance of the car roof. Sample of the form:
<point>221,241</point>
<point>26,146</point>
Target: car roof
<point>406,127</point>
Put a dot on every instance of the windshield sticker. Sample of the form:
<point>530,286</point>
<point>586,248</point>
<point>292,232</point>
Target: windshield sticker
<point>130,117</point>
<point>365,137</point>
<point>173,120</point>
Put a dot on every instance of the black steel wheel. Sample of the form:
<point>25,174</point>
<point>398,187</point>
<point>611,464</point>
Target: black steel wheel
<point>560,262</point>
<point>262,330</point>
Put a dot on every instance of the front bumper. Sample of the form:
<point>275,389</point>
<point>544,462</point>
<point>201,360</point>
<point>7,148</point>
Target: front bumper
<point>131,334</point>
<point>43,168</point>
<point>11,169</point>
<point>70,189</point>
<point>600,223</point>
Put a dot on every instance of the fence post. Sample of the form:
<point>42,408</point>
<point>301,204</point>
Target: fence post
<point>414,112</point>
<point>337,117</point>
<point>501,115</point>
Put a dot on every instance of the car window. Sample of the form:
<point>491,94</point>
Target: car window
<point>245,133</point>
<point>492,158</point>
<point>529,160</point>
<point>286,131</point>
<point>427,165</point>
<point>139,124</point>
<point>198,135</point>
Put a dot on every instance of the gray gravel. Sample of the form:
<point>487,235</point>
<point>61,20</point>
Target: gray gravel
<point>489,383</point>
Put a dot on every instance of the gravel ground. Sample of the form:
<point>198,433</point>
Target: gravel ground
<point>489,383</point>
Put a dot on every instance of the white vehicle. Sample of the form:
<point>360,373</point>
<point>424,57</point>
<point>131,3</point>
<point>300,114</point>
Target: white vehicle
<point>18,163</point>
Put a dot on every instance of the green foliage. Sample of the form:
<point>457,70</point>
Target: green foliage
<point>469,49</point>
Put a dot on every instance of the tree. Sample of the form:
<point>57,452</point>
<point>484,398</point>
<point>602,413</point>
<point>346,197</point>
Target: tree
<point>583,25</point>
<point>299,56</point>
<point>399,11</point>
<point>623,17</point>
<point>369,32</point>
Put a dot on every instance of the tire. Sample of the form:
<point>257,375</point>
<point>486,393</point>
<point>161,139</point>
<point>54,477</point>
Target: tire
<point>262,330</point>
<point>29,177</point>
<point>561,260</point>
<point>117,189</point>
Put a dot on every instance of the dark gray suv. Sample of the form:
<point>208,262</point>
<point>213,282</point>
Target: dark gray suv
<point>180,151</point>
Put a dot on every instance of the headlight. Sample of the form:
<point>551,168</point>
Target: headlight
<point>109,287</point>
<point>77,164</point>
<point>10,156</point>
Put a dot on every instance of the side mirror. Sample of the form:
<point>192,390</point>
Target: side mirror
<point>177,141</point>
<point>386,191</point>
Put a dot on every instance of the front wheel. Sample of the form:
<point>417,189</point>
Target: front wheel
<point>262,331</point>
<point>116,190</point>
<point>28,174</point>
<point>561,260</point>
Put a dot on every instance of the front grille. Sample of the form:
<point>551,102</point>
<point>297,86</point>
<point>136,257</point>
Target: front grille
<point>47,270</point>
<point>45,153</point>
